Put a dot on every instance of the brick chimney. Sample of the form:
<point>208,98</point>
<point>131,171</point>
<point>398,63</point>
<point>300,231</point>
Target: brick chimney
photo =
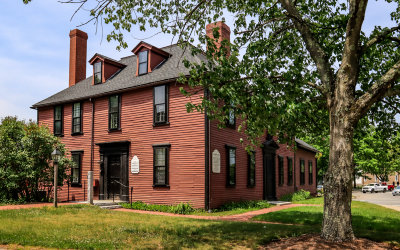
<point>224,33</point>
<point>77,56</point>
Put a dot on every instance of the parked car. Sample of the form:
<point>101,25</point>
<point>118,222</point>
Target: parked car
<point>390,186</point>
<point>374,187</point>
<point>396,191</point>
<point>320,188</point>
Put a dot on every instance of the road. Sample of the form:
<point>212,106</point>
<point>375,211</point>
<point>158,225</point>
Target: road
<point>383,199</point>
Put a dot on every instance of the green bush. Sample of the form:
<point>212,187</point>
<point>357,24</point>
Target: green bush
<point>297,196</point>
<point>244,205</point>
<point>181,208</point>
<point>26,172</point>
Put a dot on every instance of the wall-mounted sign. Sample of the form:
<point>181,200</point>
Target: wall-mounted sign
<point>216,161</point>
<point>135,165</point>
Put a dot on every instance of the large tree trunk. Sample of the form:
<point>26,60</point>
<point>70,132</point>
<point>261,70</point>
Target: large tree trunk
<point>338,179</point>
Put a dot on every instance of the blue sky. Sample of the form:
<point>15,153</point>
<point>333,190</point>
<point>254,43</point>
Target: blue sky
<point>34,48</point>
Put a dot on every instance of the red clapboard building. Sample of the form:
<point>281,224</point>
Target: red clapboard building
<point>129,125</point>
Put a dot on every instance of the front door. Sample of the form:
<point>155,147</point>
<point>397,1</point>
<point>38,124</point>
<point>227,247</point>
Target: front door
<point>114,176</point>
<point>269,176</point>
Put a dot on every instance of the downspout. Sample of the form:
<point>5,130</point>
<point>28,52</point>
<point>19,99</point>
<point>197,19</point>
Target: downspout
<point>92,137</point>
<point>207,156</point>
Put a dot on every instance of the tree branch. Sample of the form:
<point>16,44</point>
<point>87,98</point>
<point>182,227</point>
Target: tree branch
<point>317,53</point>
<point>380,37</point>
<point>317,87</point>
<point>380,89</point>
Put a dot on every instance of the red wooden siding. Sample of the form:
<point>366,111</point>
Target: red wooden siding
<point>185,133</point>
<point>221,194</point>
<point>307,156</point>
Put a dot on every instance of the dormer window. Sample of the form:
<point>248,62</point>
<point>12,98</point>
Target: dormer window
<point>97,73</point>
<point>149,58</point>
<point>143,60</point>
<point>104,68</point>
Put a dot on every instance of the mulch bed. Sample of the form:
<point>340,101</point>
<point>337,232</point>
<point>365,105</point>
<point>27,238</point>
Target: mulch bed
<point>315,242</point>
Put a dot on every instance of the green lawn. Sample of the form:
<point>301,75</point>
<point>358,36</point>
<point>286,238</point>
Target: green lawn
<point>369,221</point>
<point>91,227</point>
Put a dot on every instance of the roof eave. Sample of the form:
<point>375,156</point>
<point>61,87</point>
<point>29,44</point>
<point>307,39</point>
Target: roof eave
<point>35,106</point>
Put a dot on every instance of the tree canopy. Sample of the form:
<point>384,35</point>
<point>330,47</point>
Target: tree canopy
<point>376,153</point>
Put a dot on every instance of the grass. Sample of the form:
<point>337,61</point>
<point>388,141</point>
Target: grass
<point>369,220</point>
<point>82,226</point>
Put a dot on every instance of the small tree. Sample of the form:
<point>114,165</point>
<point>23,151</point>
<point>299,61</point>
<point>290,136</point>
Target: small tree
<point>377,153</point>
<point>26,171</point>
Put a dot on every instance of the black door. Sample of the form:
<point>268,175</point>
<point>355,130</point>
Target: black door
<point>269,176</point>
<point>114,176</point>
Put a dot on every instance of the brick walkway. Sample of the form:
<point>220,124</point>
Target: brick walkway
<point>236,217</point>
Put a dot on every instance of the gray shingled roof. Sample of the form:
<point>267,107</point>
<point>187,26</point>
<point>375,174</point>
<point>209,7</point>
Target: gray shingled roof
<point>303,144</point>
<point>126,79</point>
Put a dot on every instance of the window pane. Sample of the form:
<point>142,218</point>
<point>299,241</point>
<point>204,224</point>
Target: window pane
<point>252,170</point>
<point>159,94</point>
<point>231,117</point>
<point>57,113</point>
<point>232,166</point>
<point>232,156</point>
<point>75,168</point>
<point>77,125</point>
<point>114,102</point>
<point>143,62</point>
<point>143,56</point>
<point>160,113</point>
<point>77,110</point>
<point>75,175</point>
<point>160,156</point>
<point>97,67</point>
<point>114,120</point>
<point>57,127</point>
<point>97,78</point>
<point>142,68</point>
<point>160,175</point>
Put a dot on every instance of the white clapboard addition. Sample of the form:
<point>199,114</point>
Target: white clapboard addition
<point>216,161</point>
<point>135,165</point>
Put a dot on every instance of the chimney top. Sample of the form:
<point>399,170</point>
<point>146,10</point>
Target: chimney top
<point>78,33</point>
<point>77,56</point>
<point>224,33</point>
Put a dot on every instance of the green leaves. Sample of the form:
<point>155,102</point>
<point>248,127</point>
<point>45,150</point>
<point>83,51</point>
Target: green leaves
<point>25,160</point>
<point>377,153</point>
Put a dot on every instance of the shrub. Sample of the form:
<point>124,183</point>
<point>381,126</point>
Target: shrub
<point>244,205</point>
<point>181,208</point>
<point>26,172</point>
<point>297,196</point>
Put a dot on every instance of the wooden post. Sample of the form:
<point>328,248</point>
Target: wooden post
<point>55,183</point>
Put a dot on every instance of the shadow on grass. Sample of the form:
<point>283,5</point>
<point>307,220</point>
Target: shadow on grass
<point>375,223</point>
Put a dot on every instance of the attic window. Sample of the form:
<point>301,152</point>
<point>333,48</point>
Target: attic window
<point>143,59</point>
<point>97,73</point>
